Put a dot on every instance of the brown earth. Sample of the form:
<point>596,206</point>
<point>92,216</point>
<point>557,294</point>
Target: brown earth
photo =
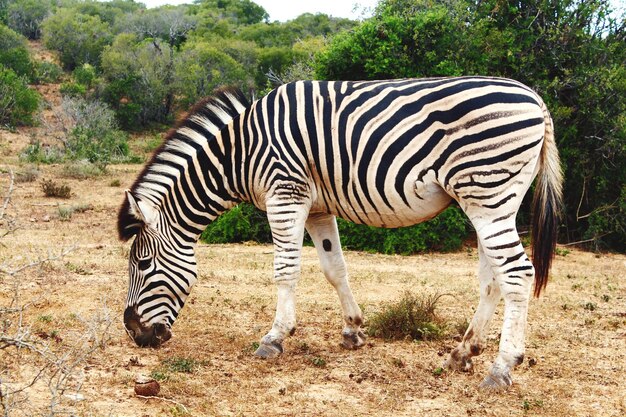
<point>575,360</point>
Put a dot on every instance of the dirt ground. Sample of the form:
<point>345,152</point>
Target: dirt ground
<point>69,311</point>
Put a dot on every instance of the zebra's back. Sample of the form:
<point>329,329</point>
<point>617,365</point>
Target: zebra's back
<point>394,153</point>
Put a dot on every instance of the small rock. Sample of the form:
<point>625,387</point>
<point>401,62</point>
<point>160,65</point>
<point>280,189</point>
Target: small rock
<point>532,362</point>
<point>75,397</point>
<point>45,218</point>
<point>146,386</point>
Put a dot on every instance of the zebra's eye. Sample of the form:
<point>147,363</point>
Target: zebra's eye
<point>144,264</point>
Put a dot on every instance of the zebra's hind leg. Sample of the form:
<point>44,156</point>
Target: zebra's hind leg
<point>473,342</point>
<point>286,217</point>
<point>514,275</point>
<point>323,231</point>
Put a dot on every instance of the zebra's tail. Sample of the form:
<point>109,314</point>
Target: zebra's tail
<point>547,202</point>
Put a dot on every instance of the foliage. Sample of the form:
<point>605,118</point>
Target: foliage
<point>37,153</point>
<point>107,11</point>
<point>71,89</point>
<point>412,317</point>
<point>239,12</point>
<point>240,224</point>
<point>25,16</point>
<point>47,72</point>
<point>445,232</point>
<point>84,75</point>
<point>168,24</point>
<point>571,52</point>
<point>18,103</point>
<point>14,53</point>
<point>94,134</point>
<point>79,38</point>
<point>139,78</point>
<point>201,68</point>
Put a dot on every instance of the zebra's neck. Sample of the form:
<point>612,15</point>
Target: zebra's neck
<point>186,180</point>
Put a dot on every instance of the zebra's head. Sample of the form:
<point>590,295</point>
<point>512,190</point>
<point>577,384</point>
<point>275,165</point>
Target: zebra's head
<point>161,272</point>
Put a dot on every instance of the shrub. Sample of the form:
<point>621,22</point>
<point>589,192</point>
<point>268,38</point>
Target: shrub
<point>138,80</point>
<point>18,59</point>
<point>14,53</point>
<point>29,173</point>
<point>73,90</point>
<point>81,170</point>
<point>412,317</point>
<point>445,232</point>
<point>94,134</point>
<point>52,189</point>
<point>25,16</point>
<point>47,72</point>
<point>78,38</point>
<point>18,103</point>
<point>37,153</point>
<point>240,224</point>
<point>84,75</point>
<point>202,68</point>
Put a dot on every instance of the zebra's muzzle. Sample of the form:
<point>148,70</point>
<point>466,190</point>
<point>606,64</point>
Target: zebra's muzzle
<point>152,335</point>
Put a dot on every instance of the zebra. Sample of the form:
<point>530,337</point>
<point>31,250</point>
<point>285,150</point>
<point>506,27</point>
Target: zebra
<point>386,153</point>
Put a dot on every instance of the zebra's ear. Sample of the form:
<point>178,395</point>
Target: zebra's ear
<point>141,210</point>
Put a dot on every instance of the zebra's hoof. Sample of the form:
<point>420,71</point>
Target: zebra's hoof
<point>269,350</point>
<point>353,340</point>
<point>496,382</point>
<point>459,362</point>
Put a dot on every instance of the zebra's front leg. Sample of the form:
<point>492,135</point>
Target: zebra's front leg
<point>323,231</point>
<point>287,225</point>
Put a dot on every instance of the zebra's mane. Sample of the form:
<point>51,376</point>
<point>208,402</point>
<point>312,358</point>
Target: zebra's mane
<point>209,116</point>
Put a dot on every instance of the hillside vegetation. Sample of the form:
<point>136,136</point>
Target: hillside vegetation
<point>127,71</point>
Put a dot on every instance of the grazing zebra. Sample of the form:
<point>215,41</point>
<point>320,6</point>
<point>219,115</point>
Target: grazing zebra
<point>383,153</point>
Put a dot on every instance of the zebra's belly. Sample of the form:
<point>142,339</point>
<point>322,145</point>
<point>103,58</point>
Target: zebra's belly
<point>425,202</point>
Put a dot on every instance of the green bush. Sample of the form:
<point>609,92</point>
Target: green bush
<point>36,153</point>
<point>138,80</point>
<point>47,72</point>
<point>95,135</point>
<point>240,224</point>
<point>201,68</point>
<point>25,16</point>
<point>14,53</point>
<point>78,38</point>
<point>445,232</point>
<point>18,103</point>
<point>84,75</point>
<point>73,89</point>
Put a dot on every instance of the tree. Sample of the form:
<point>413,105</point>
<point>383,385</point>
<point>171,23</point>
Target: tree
<point>136,75</point>
<point>14,53</point>
<point>240,12</point>
<point>201,68</point>
<point>79,38</point>
<point>18,103</point>
<point>25,16</point>
<point>169,24</point>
